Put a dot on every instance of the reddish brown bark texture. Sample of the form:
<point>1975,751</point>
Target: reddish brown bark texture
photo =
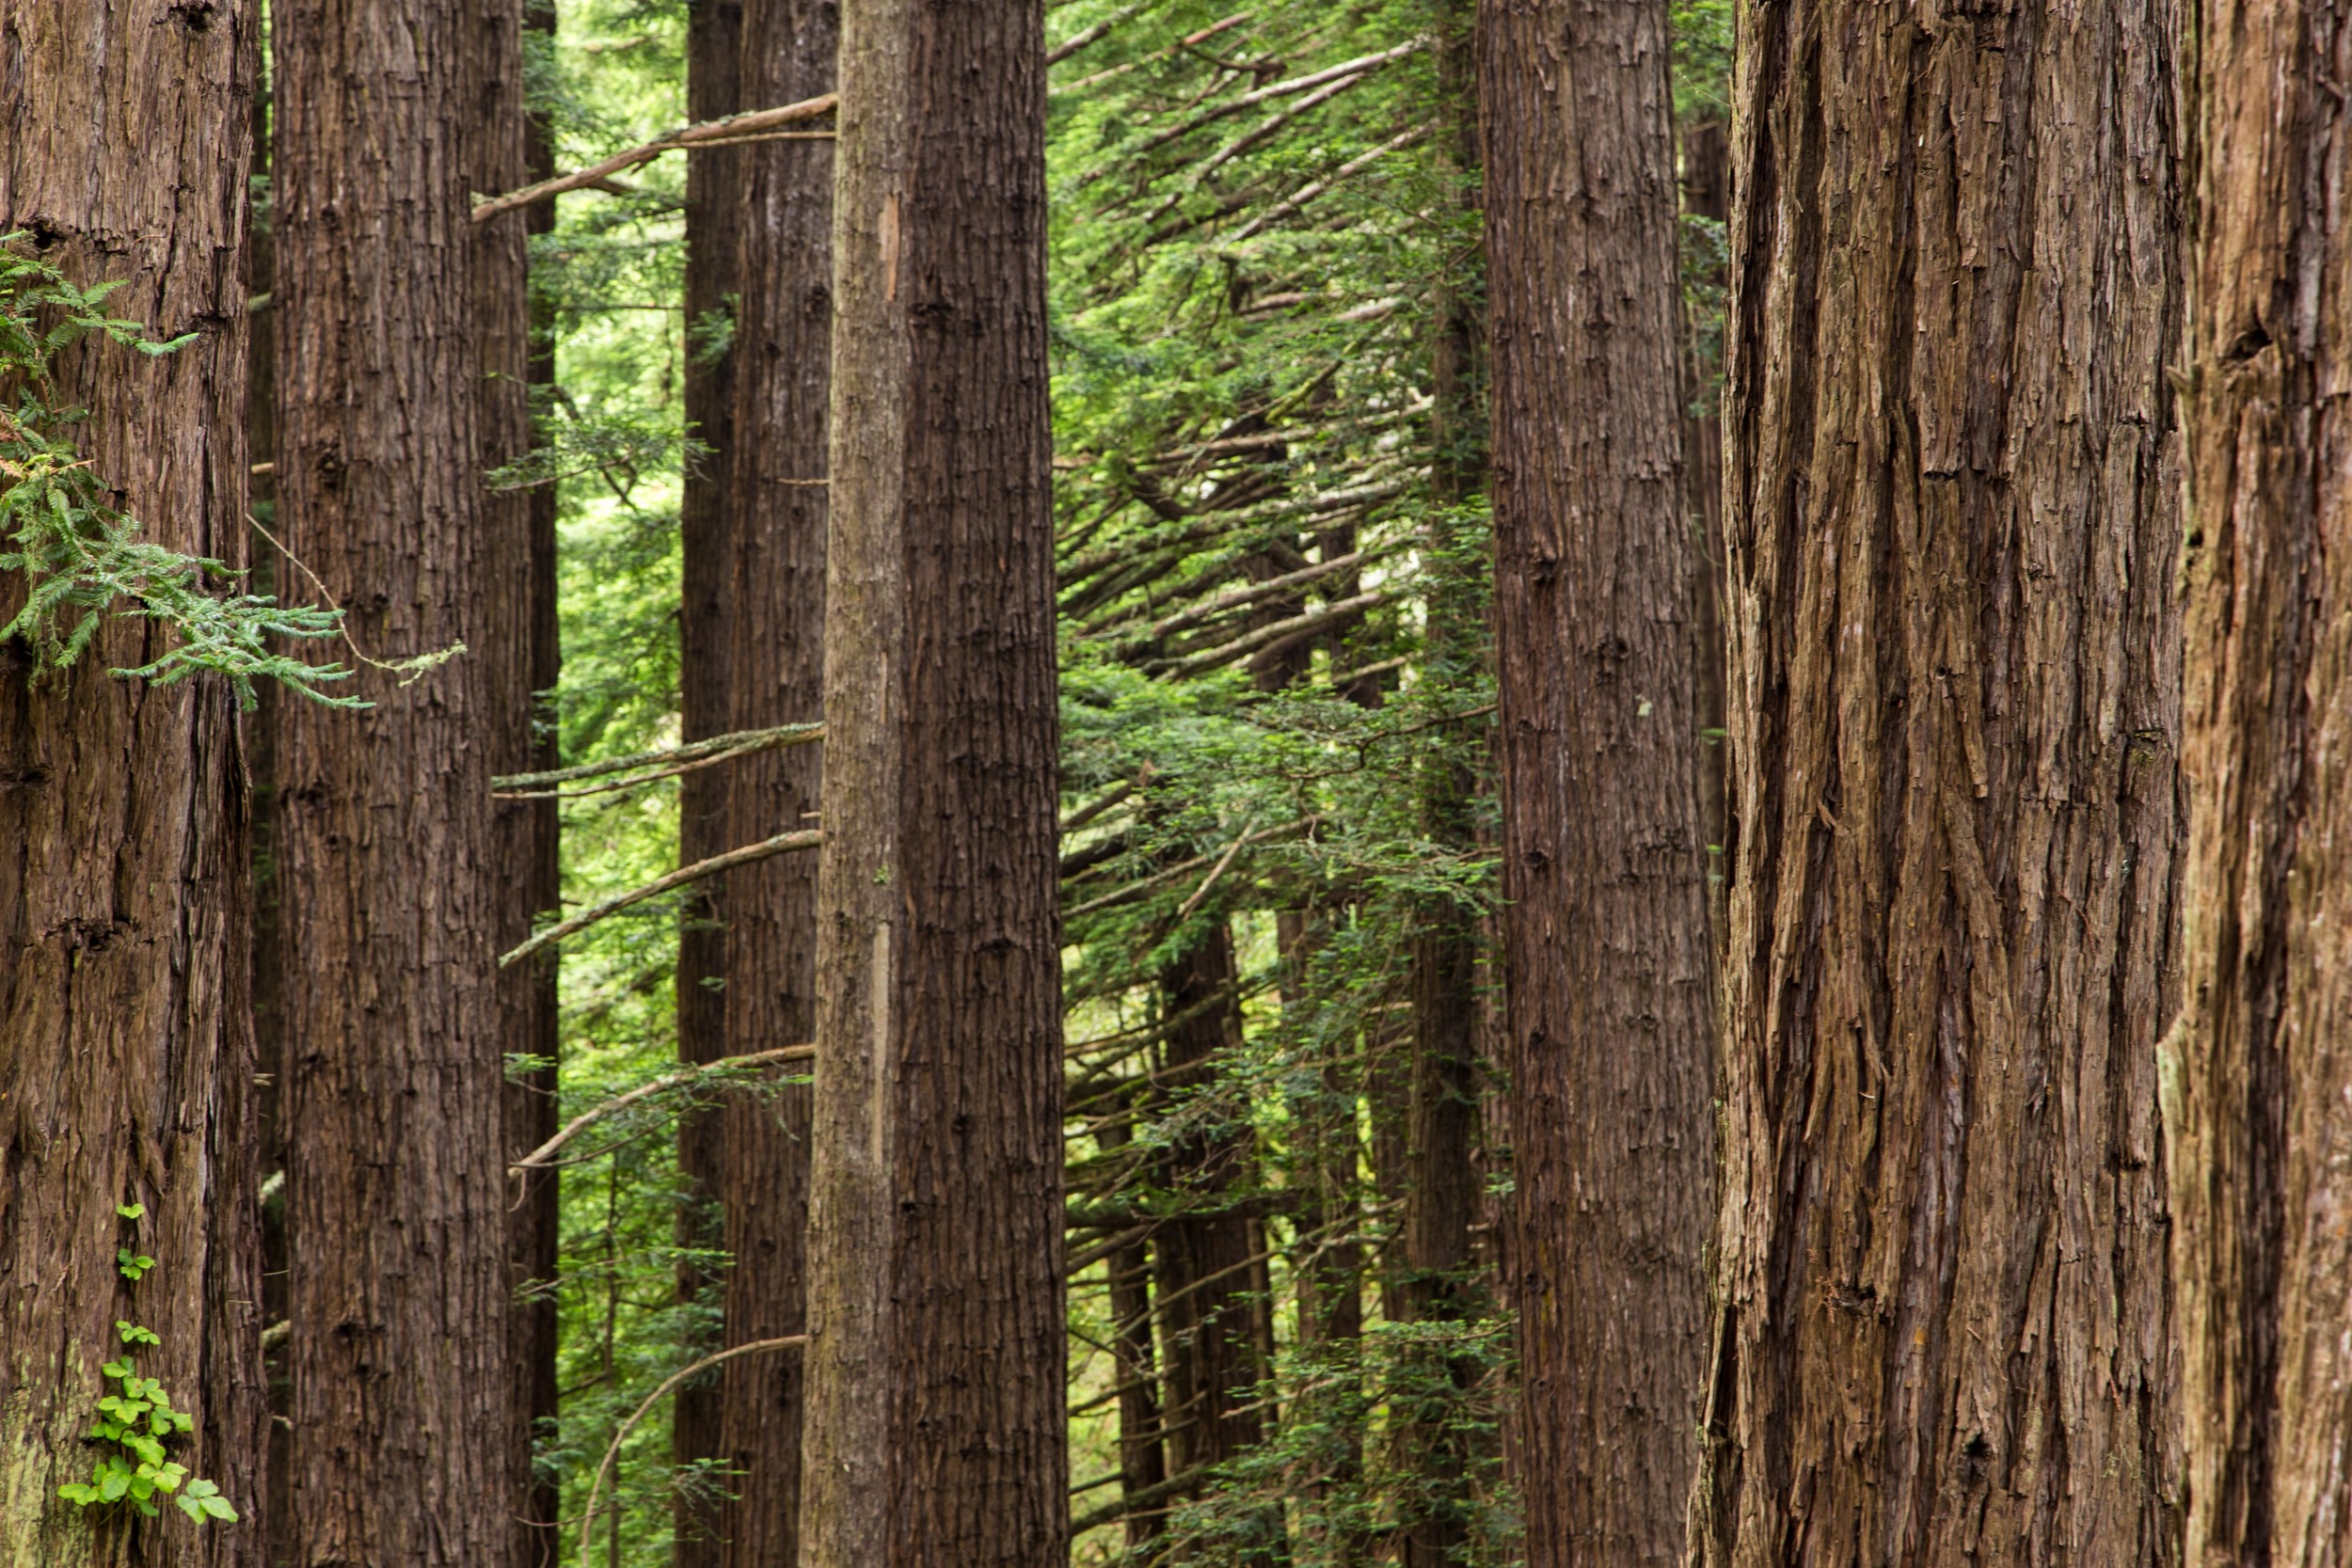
<point>126,1051</point>
<point>2259,1075</point>
<point>1605,927</point>
<point>1951,519</point>
<point>714,208</point>
<point>534,1236</point>
<point>936,1431</point>
<point>394,892</point>
<point>775,626</point>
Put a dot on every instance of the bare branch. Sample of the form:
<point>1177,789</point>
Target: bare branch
<point>572,1129</point>
<point>808,838</point>
<point>1280,631</point>
<point>717,746</point>
<point>733,128</point>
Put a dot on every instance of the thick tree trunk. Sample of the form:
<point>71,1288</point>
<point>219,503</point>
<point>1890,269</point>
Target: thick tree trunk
<point>535,1233</point>
<point>126,1050</point>
<point>775,667</point>
<point>714,221</point>
<point>1605,930</point>
<point>936,1429</point>
<point>2261,1066</point>
<point>1954,698</point>
<point>394,892</point>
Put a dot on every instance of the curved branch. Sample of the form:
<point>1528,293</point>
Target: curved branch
<point>604,1466</point>
<point>545,1151</point>
<point>733,128</point>
<point>808,838</point>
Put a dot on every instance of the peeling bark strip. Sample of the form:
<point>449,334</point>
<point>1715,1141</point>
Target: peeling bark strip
<point>2263,1063</point>
<point>1954,694</point>
<point>126,1048</point>
<point>394,894</point>
<point>935,1431</point>
<point>1611,1029</point>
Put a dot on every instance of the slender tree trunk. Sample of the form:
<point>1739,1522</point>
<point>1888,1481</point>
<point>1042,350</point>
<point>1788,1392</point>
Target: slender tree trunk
<point>714,221</point>
<point>126,1048</point>
<point>1442,1191</point>
<point>535,1238</point>
<point>1707,194</point>
<point>1142,1452</point>
<point>936,1429</point>
<point>1942,1331</point>
<point>1605,930</point>
<point>1204,1262</point>
<point>776,667</point>
<point>504,150</point>
<point>393,887</point>
<point>2261,1067</point>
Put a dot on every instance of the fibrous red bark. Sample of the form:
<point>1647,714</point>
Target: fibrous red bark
<point>1951,517</point>
<point>1605,930</point>
<point>2259,1071</point>
<point>126,1050</point>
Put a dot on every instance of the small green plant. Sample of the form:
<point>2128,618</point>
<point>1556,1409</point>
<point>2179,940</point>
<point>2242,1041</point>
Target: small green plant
<point>79,554</point>
<point>136,1421</point>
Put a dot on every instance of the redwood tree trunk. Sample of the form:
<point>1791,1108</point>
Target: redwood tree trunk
<point>1605,931</point>
<point>535,856</point>
<point>1442,1191</point>
<point>1941,1332</point>
<point>1210,1413</point>
<point>936,1431</point>
<point>126,1048</point>
<point>2257,1091</point>
<point>714,215</point>
<point>394,892</point>
<point>775,672</point>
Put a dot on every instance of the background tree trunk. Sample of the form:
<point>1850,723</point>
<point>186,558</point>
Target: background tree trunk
<point>394,890</point>
<point>126,1048</point>
<point>775,669</point>
<point>714,221</point>
<point>1954,699</point>
<point>535,1232</point>
<point>504,150</point>
<point>1442,1191</point>
<point>936,1429</point>
<point>1605,927</point>
<point>1210,1412</point>
<point>2255,1107</point>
